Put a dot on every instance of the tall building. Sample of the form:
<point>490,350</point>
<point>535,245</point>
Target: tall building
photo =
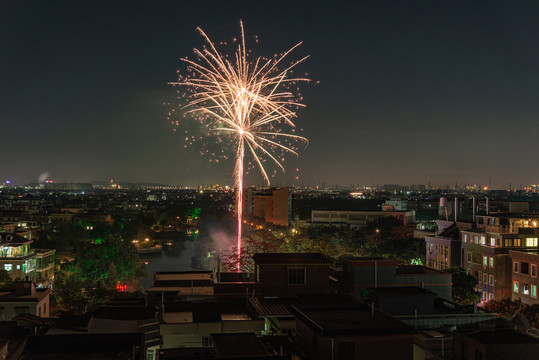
<point>485,251</point>
<point>272,205</point>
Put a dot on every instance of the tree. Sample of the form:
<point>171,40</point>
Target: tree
<point>5,278</point>
<point>464,292</point>
<point>104,264</point>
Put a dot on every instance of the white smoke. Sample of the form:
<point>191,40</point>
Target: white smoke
<point>43,176</point>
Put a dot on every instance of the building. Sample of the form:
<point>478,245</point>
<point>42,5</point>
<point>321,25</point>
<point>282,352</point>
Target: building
<point>494,344</point>
<point>272,205</point>
<point>356,331</point>
<point>359,274</point>
<point>22,262</point>
<point>24,298</point>
<point>485,251</point>
<point>190,324</point>
<point>286,275</point>
<point>356,219</point>
<point>444,248</point>
<point>524,276</point>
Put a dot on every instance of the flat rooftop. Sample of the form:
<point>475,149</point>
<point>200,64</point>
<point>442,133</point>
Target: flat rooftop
<point>293,258</point>
<point>500,336</point>
<point>354,320</point>
<point>237,344</point>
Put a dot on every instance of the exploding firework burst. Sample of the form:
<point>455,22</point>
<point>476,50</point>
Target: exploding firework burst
<point>246,101</point>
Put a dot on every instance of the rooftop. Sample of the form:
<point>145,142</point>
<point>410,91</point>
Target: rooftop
<point>294,258</point>
<point>356,319</point>
<point>237,344</point>
<point>12,239</point>
<point>500,336</point>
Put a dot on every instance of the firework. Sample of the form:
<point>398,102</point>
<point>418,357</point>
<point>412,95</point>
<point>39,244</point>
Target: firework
<point>246,101</point>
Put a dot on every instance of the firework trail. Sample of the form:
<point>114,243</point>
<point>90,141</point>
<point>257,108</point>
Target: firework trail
<point>247,101</point>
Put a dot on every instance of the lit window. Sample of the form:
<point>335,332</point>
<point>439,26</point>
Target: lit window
<point>515,286</point>
<point>525,289</point>
<point>534,290</point>
<point>18,267</point>
<point>515,266</point>
<point>485,260</point>
<point>7,267</point>
<point>465,238</point>
<point>492,241</point>
<point>483,240</point>
<point>485,296</point>
<point>531,242</point>
<point>491,261</point>
<point>517,242</point>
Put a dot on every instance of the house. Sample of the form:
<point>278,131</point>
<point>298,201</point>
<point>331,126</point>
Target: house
<point>356,331</point>
<point>24,298</point>
<point>286,275</point>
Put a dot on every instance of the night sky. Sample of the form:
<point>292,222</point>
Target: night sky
<point>410,91</point>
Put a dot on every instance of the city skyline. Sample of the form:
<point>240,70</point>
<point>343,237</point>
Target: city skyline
<point>415,92</point>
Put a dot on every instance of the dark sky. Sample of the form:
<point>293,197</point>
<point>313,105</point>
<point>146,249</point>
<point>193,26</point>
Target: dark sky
<point>410,91</point>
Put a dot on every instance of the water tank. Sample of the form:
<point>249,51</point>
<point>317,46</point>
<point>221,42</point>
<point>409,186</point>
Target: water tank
<point>443,202</point>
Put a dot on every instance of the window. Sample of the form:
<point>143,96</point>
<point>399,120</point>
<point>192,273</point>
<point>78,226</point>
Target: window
<point>469,256</point>
<point>516,242</point>
<point>492,242</point>
<point>478,355</point>
<point>480,277</point>
<point>296,276</point>
<point>150,354</point>
<point>485,296</point>
<point>525,268</point>
<point>483,240</point>
<point>531,242</point>
<point>491,262</point>
<point>534,290</point>
<point>490,296</point>
<point>485,278</point>
<point>346,350</point>
<point>508,242</point>
<point>465,238</point>
<point>525,289</point>
<point>2,316</point>
<point>515,286</point>
<point>206,341</point>
<point>21,310</point>
<point>7,267</point>
<point>534,270</point>
<point>18,267</point>
<point>469,271</point>
<point>491,280</point>
<point>485,260</point>
<point>515,266</point>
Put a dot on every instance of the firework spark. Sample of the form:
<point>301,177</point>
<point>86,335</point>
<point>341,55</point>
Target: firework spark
<point>249,101</point>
